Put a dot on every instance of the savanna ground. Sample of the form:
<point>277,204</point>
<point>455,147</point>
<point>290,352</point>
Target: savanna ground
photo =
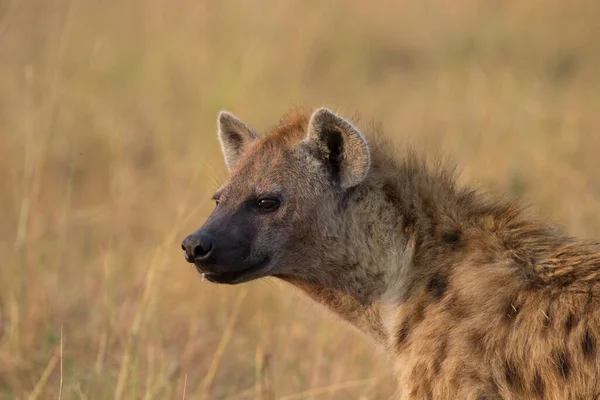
<point>108,157</point>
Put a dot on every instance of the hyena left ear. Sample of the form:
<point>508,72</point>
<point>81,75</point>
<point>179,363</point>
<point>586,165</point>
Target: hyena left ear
<point>341,145</point>
<point>234,136</point>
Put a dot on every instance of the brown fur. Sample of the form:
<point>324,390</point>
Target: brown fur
<point>473,298</point>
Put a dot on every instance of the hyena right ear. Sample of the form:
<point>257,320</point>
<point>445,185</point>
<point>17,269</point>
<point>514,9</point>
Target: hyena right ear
<point>234,136</point>
<point>341,146</point>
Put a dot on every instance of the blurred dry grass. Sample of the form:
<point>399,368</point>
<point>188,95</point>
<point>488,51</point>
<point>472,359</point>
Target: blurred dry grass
<point>108,157</point>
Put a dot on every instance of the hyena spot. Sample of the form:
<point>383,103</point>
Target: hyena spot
<point>477,340</point>
<point>563,364</point>
<point>588,345</point>
<point>513,376</point>
<point>391,194</point>
<point>570,323</point>
<point>403,333</point>
<point>538,384</point>
<point>437,286</point>
<point>452,237</point>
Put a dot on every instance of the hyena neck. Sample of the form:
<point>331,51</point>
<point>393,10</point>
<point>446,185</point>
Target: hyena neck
<point>398,218</point>
<point>399,232</point>
<point>362,312</point>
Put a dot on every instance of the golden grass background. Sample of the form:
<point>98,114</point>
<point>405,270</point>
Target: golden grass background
<point>108,157</point>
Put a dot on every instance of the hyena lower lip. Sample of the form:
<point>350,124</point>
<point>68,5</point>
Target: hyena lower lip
<point>254,271</point>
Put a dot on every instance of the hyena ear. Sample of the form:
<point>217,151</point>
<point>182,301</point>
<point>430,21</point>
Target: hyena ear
<point>341,145</point>
<point>234,136</point>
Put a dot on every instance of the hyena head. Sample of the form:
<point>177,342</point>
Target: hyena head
<point>280,210</point>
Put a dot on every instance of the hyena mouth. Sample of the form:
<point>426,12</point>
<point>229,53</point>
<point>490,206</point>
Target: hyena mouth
<point>254,271</point>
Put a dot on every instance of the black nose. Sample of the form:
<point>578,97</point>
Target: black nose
<point>197,247</point>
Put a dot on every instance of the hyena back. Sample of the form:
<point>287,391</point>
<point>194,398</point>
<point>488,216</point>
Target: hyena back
<point>470,297</point>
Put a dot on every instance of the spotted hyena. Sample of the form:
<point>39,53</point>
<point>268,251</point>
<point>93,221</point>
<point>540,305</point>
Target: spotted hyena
<point>470,297</point>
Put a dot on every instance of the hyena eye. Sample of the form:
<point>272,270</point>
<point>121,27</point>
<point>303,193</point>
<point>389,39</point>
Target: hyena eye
<point>268,204</point>
<point>217,202</point>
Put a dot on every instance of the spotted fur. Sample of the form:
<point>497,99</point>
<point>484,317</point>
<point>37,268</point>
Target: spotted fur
<point>471,297</point>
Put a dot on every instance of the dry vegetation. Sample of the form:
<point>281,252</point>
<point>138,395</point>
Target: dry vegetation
<point>108,157</point>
